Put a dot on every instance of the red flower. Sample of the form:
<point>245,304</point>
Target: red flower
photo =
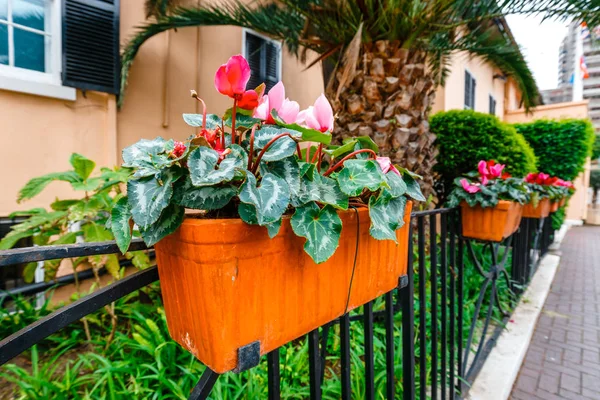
<point>178,149</point>
<point>231,80</point>
<point>490,169</point>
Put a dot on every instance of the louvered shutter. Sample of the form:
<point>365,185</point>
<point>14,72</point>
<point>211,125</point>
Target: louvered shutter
<point>90,31</point>
<point>467,90</point>
<point>263,58</point>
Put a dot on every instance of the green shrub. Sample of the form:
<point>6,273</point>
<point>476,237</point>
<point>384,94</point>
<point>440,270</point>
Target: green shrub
<point>596,148</point>
<point>595,179</point>
<point>561,147</point>
<point>464,137</point>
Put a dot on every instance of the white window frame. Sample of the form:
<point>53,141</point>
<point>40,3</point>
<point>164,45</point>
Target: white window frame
<point>275,42</point>
<point>47,84</point>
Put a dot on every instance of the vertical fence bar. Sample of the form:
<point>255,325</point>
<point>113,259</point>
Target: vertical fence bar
<point>422,309</point>
<point>369,362</point>
<point>453,270</point>
<point>434,304</point>
<point>389,345</point>
<point>273,375</point>
<point>460,305</point>
<point>345,355</point>
<point>314,360</point>
<point>408,326</point>
<point>444,302</point>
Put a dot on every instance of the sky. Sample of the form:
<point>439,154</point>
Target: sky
<point>540,44</point>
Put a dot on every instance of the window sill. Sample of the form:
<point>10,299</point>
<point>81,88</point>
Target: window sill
<point>43,89</point>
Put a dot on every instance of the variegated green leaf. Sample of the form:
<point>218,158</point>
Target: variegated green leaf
<point>212,121</point>
<point>271,199</point>
<point>282,148</point>
<point>397,186</point>
<point>242,121</point>
<point>359,174</point>
<point>148,197</point>
<point>170,219</point>
<point>202,162</point>
<point>266,133</point>
<point>248,215</point>
<point>203,198</point>
<point>287,169</point>
<point>322,189</point>
<point>120,216</point>
<point>412,188</point>
<point>148,156</point>
<point>321,228</point>
<point>387,215</point>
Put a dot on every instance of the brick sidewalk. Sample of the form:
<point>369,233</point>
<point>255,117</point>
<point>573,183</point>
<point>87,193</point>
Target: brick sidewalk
<point>563,360</point>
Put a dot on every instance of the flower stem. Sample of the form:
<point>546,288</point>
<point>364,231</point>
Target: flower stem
<point>195,95</point>
<point>251,147</point>
<point>269,144</point>
<point>233,121</point>
<point>341,162</point>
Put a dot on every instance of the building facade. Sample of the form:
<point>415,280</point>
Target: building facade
<point>591,84</point>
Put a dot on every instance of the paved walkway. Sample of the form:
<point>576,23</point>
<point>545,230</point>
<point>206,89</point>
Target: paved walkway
<point>563,360</point>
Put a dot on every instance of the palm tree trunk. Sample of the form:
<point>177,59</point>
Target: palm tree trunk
<point>389,98</point>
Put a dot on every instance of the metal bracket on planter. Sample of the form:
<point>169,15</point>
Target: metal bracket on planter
<point>248,357</point>
<point>403,282</point>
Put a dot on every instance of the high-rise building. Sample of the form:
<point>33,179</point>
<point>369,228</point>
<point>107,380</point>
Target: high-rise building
<point>591,83</point>
<point>566,60</point>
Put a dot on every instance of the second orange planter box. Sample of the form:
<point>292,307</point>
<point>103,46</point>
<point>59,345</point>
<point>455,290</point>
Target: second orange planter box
<point>226,285</point>
<point>491,223</point>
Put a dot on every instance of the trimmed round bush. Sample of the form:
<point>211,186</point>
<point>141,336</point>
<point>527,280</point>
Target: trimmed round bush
<point>561,147</point>
<point>464,137</point>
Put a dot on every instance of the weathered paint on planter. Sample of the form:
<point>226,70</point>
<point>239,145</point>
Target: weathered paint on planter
<point>491,223</point>
<point>541,211</point>
<point>226,284</point>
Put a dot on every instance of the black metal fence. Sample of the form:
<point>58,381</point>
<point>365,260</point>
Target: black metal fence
<point>453,305</point>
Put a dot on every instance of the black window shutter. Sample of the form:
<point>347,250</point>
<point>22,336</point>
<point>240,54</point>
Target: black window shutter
<point>467,89</point>
<point>473,85</point>
<point>263,58</point>
<point>90,45</point>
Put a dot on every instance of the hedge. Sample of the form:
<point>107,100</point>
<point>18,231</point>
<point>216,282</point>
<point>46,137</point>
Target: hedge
<point>596,148</point>
<point>561,147</point>
<point>464,137</point>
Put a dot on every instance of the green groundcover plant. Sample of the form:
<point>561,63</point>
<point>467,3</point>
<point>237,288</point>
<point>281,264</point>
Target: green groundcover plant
<point>487,186</point>
<point>274,160</point>
<point>465,135</point>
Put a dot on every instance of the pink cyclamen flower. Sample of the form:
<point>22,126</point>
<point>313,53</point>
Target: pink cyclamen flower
<point>386,165</point>
<point>231,80</point>
<point>275,100</point>
<point>496,170</point>
<point>484,180</point>
<point>178,149</point>
<point>469,188</point>
<point>482,168</point>
<point>319,116</point>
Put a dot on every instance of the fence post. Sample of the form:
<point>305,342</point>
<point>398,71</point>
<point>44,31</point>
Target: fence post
<point>408,327</point>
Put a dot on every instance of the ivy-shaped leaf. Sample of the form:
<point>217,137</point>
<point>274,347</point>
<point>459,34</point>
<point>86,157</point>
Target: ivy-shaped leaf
<point>397,186</point>
<point>148,197</point>
<point>120,216</point>
<point>242,121</point>
<point>212,120</point>
<point>148,156</point>
<point>205,197</point>
<point>322,189</point>
<point>387,215</point>
<point>266,133</point>
<point>170,219</point>
<point>359,174</point>
<point>287,169</point>
<point>283,147</point>
<point>248,215</point>
<point>202,162</point>
<point>271,199</point>
<point>321,228</point>
<point>412,188</point>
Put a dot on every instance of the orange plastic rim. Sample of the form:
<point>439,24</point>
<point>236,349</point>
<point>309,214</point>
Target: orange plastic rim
<point>491,223</point>
<point>541,211</point>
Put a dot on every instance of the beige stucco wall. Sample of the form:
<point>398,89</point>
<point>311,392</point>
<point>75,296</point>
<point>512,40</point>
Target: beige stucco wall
<point>451,96</point>
<point>577,209</point>
<point>39,133</point>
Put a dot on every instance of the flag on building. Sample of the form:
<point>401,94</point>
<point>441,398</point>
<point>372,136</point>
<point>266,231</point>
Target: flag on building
<point>585,31</point>
<point>584,70</point>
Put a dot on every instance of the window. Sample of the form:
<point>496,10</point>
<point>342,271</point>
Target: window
<point>492,105</point>
<point>264,56</point>
<point>470,84</point>
<point>30,47</point>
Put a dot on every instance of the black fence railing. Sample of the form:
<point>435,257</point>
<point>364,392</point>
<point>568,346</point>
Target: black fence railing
<point>452,305</point>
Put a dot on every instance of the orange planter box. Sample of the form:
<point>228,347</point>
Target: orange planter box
<point>226,284</point>
<point>562,202</point>
<point>554,206</point>
<point>491,223</point>
<point>541,211</point>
